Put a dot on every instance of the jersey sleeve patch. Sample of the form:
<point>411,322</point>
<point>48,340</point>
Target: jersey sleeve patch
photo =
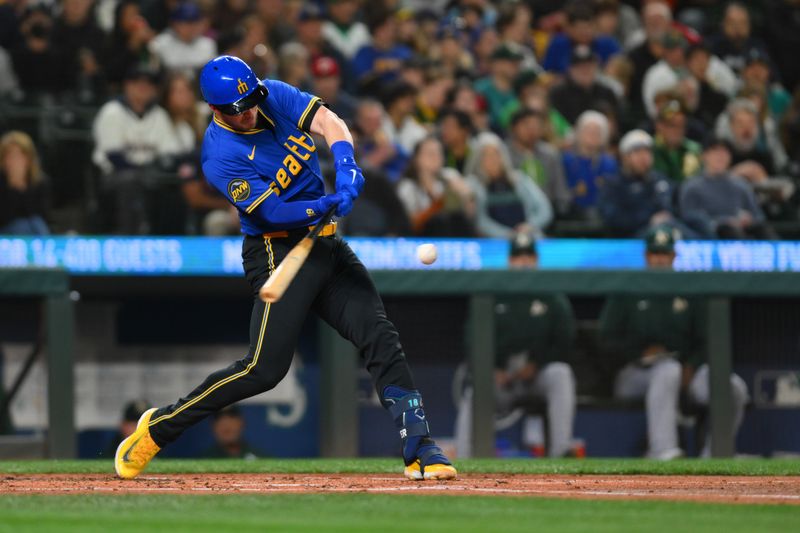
<point>239,190</point>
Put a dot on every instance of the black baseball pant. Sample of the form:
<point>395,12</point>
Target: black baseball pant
<point>334,284</point>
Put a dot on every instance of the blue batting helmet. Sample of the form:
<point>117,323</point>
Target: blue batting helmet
<point>230,85</point>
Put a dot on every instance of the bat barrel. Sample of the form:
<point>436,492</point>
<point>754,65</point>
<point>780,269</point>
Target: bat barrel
<point>277,284</point>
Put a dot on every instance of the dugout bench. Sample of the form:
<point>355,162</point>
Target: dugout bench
<point>339,417</point>
<point>339,360</point>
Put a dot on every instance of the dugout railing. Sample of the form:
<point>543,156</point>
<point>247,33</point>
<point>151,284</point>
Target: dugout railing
<point>338,359</point>
<point>481,287</point>
<point>52,286</point>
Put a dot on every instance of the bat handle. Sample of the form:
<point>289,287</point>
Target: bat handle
<point>323,220</point>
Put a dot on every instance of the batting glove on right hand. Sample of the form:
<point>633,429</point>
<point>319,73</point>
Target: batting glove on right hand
<point>327,201</point>
<point>346,205</point>
<point>342,199</point>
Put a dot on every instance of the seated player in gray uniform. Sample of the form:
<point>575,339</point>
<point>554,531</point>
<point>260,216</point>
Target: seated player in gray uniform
<point>533,338</point>
<point>660,345</point>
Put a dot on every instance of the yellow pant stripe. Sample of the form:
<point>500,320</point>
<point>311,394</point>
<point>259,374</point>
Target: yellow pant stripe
<point>249,367</point>
<point>268,242</point>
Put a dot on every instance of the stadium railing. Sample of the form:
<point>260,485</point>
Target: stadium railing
<point>53,286</point>
<point>339,411</point>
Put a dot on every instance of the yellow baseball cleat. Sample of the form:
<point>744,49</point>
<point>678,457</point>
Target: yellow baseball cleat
<point>432,471</point>
<point>135,452</point>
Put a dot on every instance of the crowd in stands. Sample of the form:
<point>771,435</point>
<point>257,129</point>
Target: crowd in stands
<point>593,118</point>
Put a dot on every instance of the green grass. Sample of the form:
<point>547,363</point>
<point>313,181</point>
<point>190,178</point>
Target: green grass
<point>741,467</point>
<point>405,513</point>
<point>373,513</point>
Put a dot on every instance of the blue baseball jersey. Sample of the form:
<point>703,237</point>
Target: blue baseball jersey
<point>275,163</point>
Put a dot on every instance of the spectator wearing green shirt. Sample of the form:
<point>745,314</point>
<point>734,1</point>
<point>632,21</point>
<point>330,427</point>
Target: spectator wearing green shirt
<point>498,87</point>
<point>537,159</point>
<point>533,93</point>
<point>675,156</point>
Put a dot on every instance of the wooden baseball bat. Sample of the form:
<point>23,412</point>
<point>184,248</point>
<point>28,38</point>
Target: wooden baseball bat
<point>279,281</point>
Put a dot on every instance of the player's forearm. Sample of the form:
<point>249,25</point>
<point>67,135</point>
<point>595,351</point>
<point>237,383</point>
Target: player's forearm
<point>288,214</point>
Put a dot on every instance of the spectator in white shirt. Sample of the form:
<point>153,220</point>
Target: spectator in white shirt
<point>183,46</point>
<point>343,31</point>
<point>399,122</point>
<point>133,135</point>
<point>666,73</point>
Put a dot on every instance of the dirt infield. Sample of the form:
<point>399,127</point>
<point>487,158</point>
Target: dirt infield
<point>721,489</point>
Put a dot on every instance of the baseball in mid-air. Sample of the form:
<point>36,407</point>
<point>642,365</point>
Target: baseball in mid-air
<point>427,253</point>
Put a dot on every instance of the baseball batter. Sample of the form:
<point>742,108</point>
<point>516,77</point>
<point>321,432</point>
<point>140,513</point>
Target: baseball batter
<point>258,152</point>
<point>662,343</point>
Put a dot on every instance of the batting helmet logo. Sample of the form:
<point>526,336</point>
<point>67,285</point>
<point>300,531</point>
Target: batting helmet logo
<point>239,190</point>
<point>230,85</point>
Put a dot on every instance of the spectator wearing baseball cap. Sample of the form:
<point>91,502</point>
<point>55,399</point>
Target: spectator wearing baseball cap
<point>641,198</point>
<point>308,32</point>
<point>522,252</point>
<point>326,82</point>
<point>449,51</point>
<point>676,156</point>
<point>498,87</point>
<point>582,89</point>
<point>132,136</point>
<point>343,30</point>
<point>514,22</point>
<point>533,92</point>
<point>758,73</point>
<point>667,72</point>
<point>379,62</point>
<point>183,46</point>
<point>580,31</point>
<point>725,202</point>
